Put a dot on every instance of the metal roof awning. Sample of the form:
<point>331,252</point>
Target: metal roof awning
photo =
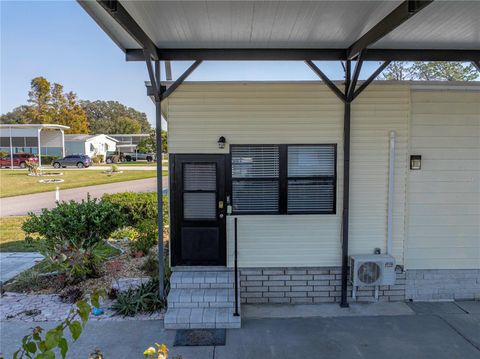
<point>292,30</point>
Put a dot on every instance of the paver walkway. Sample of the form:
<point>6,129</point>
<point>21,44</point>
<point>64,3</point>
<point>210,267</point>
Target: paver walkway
<point>21,205</point>
<point>12,263</point>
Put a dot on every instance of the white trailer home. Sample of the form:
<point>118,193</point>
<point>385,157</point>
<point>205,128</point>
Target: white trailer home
<point>279,175</point>
<point>90,145</point>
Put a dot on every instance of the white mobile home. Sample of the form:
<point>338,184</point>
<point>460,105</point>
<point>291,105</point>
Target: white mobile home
<point>301,185</point>
<point>280,175</point>
<point>90,145</point>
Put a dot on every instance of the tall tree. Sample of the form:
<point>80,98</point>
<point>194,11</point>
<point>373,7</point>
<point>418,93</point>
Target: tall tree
<point>73,115</point>
<point>149,144</point>
<point>39,98</point>
<point>430,71</point>
<point>398,71</point>
<point>443,71</point>
<point>125,124</point>
<point>17,116</point>
<point>103,117</point>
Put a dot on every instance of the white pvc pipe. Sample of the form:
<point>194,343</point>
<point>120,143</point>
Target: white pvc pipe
<point>391,190</point>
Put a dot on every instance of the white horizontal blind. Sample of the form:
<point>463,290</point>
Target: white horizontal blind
<point>255,172</point>
<point>310,196</point>
<point>311,160</point>
<point>199,205</point>
<point>199,186</point>
<point>255,161</point>
<point>311,179</point>
<point>199,177</point>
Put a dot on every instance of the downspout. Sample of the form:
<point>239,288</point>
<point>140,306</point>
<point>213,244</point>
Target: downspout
<point>391,190</point>
<point>346,186</point>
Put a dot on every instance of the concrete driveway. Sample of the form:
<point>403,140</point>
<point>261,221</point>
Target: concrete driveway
<point>21,205</point>
<point>422,336</point>
<point>13,263</point>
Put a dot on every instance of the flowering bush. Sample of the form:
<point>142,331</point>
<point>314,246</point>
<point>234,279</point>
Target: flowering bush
<point>160,352</point>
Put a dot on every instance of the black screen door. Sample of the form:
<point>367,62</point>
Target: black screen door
<point>198,236</point>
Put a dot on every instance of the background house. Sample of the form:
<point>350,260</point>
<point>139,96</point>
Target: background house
<point>90,145</point>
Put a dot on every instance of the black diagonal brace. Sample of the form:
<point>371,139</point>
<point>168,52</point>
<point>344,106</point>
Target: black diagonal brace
<point>354,80</point>
<point>368,81</point>
<point>477,65</point>
<point>402,13</point>
<point>180,80</point>
<point>154,76</point>
<point>121,15</point>
<point>325,79</point>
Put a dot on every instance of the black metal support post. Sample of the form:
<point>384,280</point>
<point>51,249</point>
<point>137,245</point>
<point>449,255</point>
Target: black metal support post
<point>236,314</point>
<point>346,186</point>
<point>158,135</point>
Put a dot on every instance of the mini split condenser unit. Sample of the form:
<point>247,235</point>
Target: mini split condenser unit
<point>371,270</point>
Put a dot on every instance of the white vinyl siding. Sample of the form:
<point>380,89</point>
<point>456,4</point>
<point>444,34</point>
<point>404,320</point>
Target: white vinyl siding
<point>302,113</point>
<point>444,196</point>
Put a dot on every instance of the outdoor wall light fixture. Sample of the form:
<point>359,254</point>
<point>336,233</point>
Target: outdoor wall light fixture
<point>415,162</point>
<point>221,142</point>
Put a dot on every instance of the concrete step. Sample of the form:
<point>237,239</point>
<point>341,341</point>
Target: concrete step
<point>196,318</point>
<point>201,298</point>
<point>202,280</point>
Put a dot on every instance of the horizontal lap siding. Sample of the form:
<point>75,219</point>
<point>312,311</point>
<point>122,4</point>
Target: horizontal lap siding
<point>444,196</point>
<point>199,114</point>
<point>379,110</point>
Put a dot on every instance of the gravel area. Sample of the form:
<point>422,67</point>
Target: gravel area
<point>48,307</point>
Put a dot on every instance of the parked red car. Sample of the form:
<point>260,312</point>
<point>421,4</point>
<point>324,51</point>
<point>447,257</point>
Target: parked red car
<point>19,160</point>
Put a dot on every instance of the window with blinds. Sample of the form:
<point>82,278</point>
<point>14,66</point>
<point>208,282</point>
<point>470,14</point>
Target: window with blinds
<point>311,179</point>
<point>255,179</point>
<point>286,179</point>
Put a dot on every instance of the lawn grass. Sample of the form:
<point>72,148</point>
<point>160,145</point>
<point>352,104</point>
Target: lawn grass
<point>12,238</point>
<point>16,182</point>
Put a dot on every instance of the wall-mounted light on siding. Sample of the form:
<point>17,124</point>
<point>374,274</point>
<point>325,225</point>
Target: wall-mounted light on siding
<point>415,162</point>
<point>221,142</point>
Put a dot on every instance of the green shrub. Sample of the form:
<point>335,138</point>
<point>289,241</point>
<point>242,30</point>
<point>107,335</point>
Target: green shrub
<point>69,233</point>
<point>98,159</point>
<point>126,232</point>
<point>147,237</point>
<point>47,160</point>
<point>143,299</point>
<point>150,267</point>
<point>138,206</point>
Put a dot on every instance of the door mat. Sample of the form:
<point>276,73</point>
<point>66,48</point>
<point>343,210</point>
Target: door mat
<point>199,337</point>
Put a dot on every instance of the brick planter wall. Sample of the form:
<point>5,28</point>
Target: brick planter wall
<point>443,284</point>
<point>307,286</point>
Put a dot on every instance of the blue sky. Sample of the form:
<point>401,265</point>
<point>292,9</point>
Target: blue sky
<point>59,41</point>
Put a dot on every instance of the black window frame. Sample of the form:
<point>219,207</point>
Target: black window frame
<point>283,180</point>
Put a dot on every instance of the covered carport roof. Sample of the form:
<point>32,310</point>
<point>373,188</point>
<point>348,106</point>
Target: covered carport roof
<point>292,30</point>
<point>410,30</point>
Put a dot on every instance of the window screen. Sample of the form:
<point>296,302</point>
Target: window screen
<point>255,179</point>
<point>311,178</point>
